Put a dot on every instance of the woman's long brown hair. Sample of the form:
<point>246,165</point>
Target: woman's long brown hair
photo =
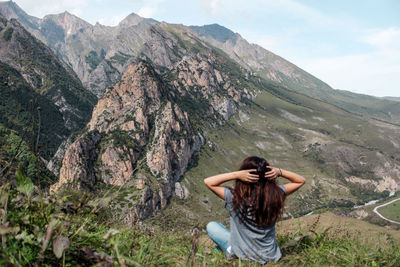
<point>260,203</point>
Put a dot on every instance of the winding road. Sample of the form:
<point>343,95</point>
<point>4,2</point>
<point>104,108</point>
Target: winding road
<point>380,206</point>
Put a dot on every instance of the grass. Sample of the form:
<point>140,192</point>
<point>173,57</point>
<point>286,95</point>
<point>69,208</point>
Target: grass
<point>33,232</point>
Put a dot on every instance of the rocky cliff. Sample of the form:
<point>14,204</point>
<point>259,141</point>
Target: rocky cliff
<point>137,133</point>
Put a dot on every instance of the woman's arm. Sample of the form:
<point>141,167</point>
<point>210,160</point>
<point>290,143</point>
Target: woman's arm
<point>214,182</point>
<point>296,180</point>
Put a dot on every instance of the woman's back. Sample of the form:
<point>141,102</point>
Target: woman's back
<point>254,204</point>
<point>248,240</point>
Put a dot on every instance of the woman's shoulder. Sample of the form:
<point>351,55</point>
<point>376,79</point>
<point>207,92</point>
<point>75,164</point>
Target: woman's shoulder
<point>228,194</point>
<point>282,187</point>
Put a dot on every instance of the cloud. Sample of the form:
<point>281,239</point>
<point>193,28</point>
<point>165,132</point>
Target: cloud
<point>112,21</point>
<point>269,42</point>
<point>45,7</point>
<point>375,73</point>
<point>147,12</point>
<point>212,7</point>
<point>384,38</point>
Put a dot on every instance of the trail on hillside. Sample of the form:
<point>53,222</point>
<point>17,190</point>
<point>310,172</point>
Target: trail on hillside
<point>383,205</point>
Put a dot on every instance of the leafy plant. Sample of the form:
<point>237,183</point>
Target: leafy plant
<point>24,184</point>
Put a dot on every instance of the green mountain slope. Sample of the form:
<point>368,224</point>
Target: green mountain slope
<point>31,77</point>
<point>344,158</point>
<point>278,70</point>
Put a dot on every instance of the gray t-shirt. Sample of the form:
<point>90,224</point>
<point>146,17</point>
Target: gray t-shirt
<point>248,241</point>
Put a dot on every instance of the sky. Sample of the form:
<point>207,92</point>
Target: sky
<point>351,45</point>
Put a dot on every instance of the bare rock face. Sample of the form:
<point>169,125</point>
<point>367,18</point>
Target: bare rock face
<point>141,135</point>
<point>172,144</point>
<point>55,163</point>
<point>77,168</point>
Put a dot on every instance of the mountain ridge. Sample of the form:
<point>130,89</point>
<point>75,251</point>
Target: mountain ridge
<point>105,60</point>
<point>373,107</point>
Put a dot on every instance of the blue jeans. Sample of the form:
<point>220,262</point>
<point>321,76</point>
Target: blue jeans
<point>219,234</point>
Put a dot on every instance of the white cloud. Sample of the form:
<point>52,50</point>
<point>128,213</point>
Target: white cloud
<point>112,21</point>
<point>147,11</point>
<point>45,7</point>
<point>376,73</point>
<point>269,42</point>
<point>384,38</point>
<point>212,7</point>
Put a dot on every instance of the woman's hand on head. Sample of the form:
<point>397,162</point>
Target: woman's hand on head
<point>246,176</point>
<point>272,174</point>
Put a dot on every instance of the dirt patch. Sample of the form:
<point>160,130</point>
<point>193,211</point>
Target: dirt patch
<point>292,117</point>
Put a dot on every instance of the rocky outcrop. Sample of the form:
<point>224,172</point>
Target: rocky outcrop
<point>136,120</point>
<point>54,165</point>
<point>173,144</point>
<point>77,169</point>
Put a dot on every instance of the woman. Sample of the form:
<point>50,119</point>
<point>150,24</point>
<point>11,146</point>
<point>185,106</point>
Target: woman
<point>254,205</point>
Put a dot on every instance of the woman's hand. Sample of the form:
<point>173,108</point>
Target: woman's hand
<point>215,181</point>
<point>246,176</point>
<point>273,173</point>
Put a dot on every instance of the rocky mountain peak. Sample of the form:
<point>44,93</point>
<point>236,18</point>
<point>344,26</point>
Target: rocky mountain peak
<point>214,31</point>
<point>139,87</point>
<point>131,20</point>
<point>69,22</point>
<point>11,10</point>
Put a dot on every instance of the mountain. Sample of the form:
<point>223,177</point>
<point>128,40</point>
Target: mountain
<point>97,54</point>
<point>256,59</point>
<point>392,98</point>
<point>33,77</point>
<point>276,69</point>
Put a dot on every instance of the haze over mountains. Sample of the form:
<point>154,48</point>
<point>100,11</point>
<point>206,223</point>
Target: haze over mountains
<point>177,103</point>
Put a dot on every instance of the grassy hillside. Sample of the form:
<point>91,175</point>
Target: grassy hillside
<point>321,142</point>
<point>277,70</point>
